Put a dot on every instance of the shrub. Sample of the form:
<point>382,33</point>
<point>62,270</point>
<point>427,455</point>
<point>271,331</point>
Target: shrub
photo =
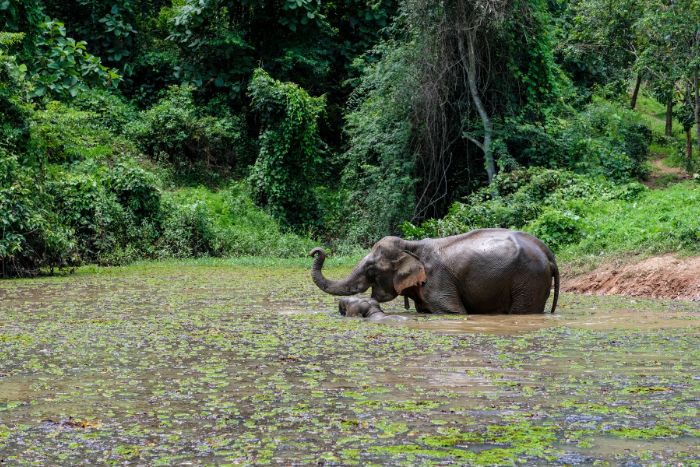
<point>605,139</point>
<point>188,231</point>
<point>14,99</point>
<point>66,134</point>
<point>108,110</point>
<point>30,236</point>
<point>113,214</point>
<point>552,203</point>
<point>224,223</point>
<point>92,214</point>
<point>608,140</point>
<point>557,228</point>
<point>175,131</point>
<point>135,188</point>
<point>577,215</point>
<point>63,68</point>
<point>252,231</point>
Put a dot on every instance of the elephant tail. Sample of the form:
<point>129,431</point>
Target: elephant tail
<point>555,273</point>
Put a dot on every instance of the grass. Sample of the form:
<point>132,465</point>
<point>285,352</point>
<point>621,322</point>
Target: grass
<point>240,227</point>
<point>658,221</point>
<point>171,265</point>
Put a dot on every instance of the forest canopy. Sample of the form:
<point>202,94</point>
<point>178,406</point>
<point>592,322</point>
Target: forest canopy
<point>180,128</point>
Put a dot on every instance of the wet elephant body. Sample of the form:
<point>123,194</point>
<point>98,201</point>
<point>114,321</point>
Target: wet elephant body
<point>359,307</point>
<point>483,271</point>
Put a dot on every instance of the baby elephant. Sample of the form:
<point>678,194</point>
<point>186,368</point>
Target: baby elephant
<point>365,308</point>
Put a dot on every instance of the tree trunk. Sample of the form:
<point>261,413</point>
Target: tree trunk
<point>635,93</point>
<point>474,92</point>
<point>697,114</point>
<point>688,149</point>
<point>669,118</point>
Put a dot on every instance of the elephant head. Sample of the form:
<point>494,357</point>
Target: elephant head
<point>390,268</point>
<point>355,307</point>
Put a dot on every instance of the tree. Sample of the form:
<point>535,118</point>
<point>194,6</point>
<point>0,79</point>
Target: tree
<point>290,149</point>
<point>62,66</point>
<point>685,113</point>
<point>670,31</point>
<point>600,44</point>
<point>475,54</point>
<point>429,114</point>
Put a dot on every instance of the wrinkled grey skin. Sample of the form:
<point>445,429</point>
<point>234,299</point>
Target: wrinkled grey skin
<point>359,307</point>
<point>483,271</point>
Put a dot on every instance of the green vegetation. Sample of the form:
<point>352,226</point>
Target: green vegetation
<point>226,223</point>
<point>134,129</point>
<point>290,149</point>
<point>579,215</point>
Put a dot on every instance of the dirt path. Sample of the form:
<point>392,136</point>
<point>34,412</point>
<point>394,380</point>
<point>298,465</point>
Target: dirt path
<point>666,276</point>
<point>662,174</point>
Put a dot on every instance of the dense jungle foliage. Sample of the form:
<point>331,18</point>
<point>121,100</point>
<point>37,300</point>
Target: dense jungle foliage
<point>137,129</point>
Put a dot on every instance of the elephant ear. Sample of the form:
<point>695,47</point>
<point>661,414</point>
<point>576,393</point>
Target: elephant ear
<point>409,272</point>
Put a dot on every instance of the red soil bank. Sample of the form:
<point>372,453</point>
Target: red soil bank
<point>664,276</point>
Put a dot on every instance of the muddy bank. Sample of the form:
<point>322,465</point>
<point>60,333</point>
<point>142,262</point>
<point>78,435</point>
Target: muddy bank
<point>666,276</point>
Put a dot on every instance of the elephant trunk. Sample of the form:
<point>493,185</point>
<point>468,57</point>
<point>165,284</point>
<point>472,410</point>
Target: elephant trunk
<point>355,282</point>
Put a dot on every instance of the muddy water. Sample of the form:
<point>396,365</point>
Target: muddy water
<point>600,319</point>
<point>202,365</point>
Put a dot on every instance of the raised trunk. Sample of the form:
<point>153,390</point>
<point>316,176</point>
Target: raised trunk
<point>635,93</point>
<point>355,282</point>
<point>669,118</point>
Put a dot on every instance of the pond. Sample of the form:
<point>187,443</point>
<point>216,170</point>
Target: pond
<point>224,363</point>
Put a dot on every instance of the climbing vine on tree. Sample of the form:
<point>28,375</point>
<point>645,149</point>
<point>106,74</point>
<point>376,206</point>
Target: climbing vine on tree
<point>290,149</point>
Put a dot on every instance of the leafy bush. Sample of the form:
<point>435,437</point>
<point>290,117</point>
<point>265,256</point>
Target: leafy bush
<point>290,149</point>
<point>14,98</point>
<point>63,68</point>
<point>228,224</point>
<point>88,211</point>
<point>254,232</point>
<point>609,140</point>
<point>188,231</point>
<point>175,131</point>
<point>108,110</point>
<point>557,228</point>
<point>604,139</point>
<point>30,237</point>
<point>135,188</point>
<point>576,215</point>
<point>65,134</point>
<point>552,203</point>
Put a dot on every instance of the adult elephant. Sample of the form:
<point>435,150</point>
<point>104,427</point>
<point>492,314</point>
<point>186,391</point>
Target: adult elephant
<point>483,271</point>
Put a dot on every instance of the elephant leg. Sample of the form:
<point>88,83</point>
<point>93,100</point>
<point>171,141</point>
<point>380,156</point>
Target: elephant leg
<point>527,298</point>
<point>445,300</point>
<point>455,306</point>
